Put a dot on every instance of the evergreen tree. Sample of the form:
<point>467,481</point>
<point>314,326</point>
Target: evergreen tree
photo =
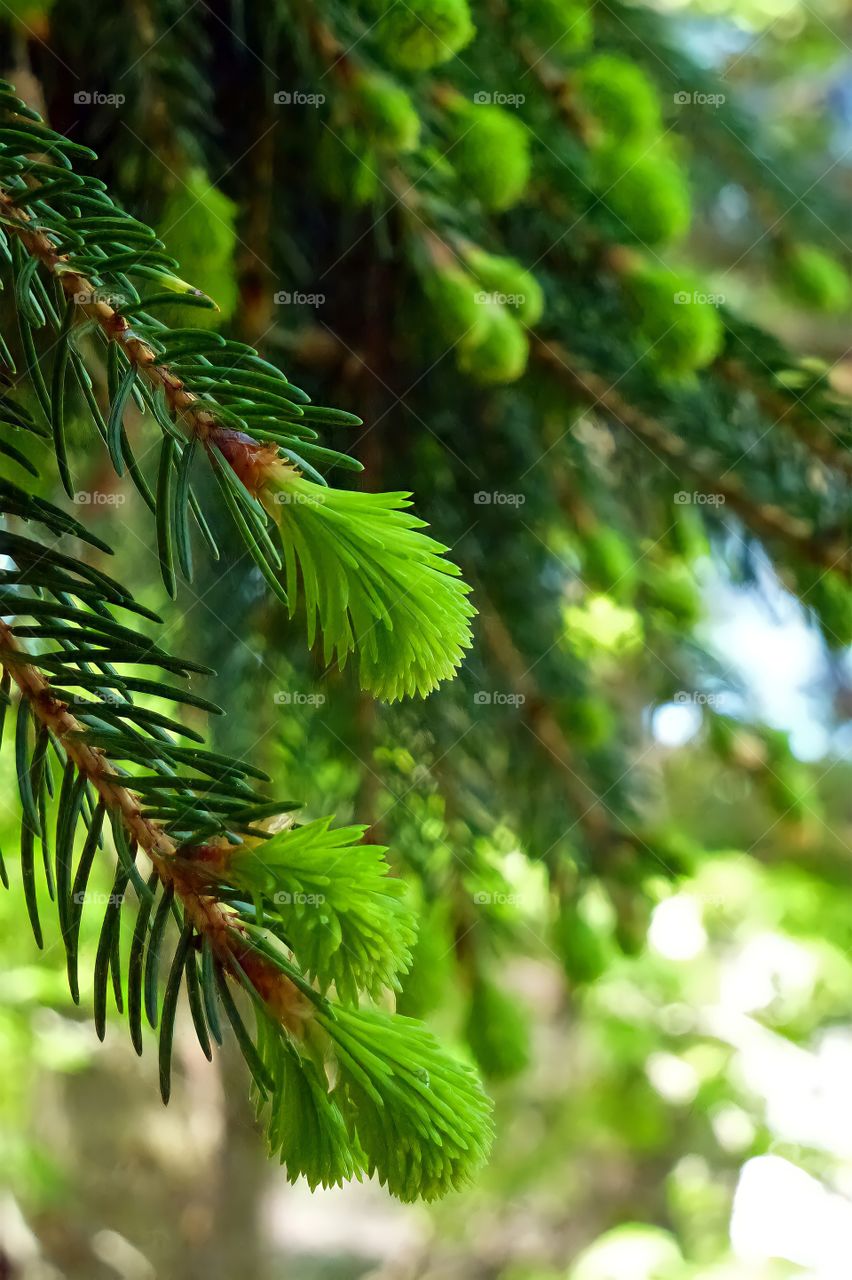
<point>467,223</point>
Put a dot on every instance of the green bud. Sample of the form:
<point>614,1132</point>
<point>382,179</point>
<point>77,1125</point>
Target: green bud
<point>683,331</point>
<point>590,722</point>
<point>421,34</point>
<point>648,194</point>
<point>831,600</point>
<point>673,588</point>
<point>497,1031</point>
<point>788,787</point>
<point>491,153</point>
<point>348,168</point>
<point>519,289</point>
<point>621,98</point>
<point>198,227</point>
<point>497,351</point>
<point>452,295</point>
<point>431,973</point>
<point>564,27</point>
<point>815,279</point>
<point>609,562</point>
<point>388,114</point>
<point>581,948</point>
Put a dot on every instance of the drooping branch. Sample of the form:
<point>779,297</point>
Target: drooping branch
<point>792,412</point>
<point>207,916</point>
<point>195,419</point>
<point>765,518</point>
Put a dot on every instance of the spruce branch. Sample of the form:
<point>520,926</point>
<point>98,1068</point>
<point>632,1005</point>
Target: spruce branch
<point>766,519</point>
<point>790,411</point>
<point>208,917</point>
<point>372,1093</point>
<point>411,626</point>
<point>264,912</point>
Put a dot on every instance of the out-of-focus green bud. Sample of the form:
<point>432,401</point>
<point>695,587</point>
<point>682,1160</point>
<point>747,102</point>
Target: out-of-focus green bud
<point>673,588</point>
<point>648,194</point>
<point>348,168</point>
<point>421,34</point>
<point>581,947</point>
<point>609,562</point>
<point>387,114</point>
<point>790,791</point>
<point>682,328</point>
<point>590,722</point>
<point>497,1031</point>
<point>514,286</point>
<point>564,27</point>
<point>452,296</point>
<point>430,976</point>
<point>198,227</point>
<point>622,99</point>
<point>490,154</point>
<point>814,278</point>
<point>496,352</point>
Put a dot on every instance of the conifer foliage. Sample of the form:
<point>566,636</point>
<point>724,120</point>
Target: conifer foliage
<point>500,194</point>
<point>221,905</point>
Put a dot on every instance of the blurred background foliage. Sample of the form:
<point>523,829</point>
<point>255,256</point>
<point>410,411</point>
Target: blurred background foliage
<point>558,256</point>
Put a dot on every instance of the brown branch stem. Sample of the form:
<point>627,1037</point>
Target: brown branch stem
<point>195,419</point>
<point>208,917</point>
<point>766,519</point>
